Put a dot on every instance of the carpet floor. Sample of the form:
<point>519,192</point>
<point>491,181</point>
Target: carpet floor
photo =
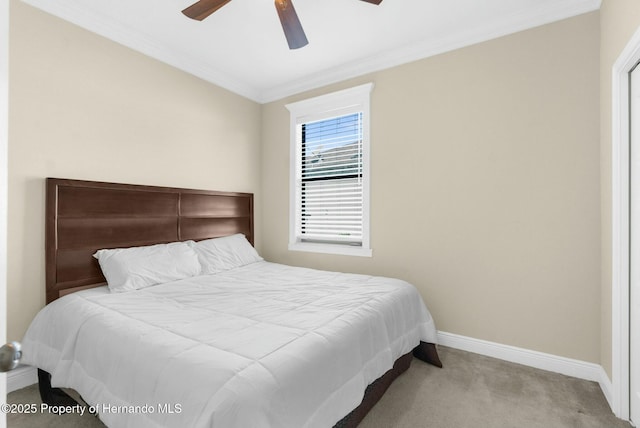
<point>471,391</point>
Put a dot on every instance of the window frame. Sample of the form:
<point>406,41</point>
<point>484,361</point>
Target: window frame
<point>340,103</point>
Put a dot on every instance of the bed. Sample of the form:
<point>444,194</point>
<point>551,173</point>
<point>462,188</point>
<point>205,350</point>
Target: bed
<point>241,342</point>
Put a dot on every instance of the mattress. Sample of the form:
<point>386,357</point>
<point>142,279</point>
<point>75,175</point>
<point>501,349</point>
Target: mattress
<point>263,345</point>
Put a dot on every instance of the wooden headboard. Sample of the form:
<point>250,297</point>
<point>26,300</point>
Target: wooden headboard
<point>85,216</point>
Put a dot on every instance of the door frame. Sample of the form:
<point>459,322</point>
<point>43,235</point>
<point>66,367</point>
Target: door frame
<point>620,226</point>
<point>4,166</point>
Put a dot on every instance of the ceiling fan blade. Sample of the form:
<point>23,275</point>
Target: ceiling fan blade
<point>204,8</point>
<point>291,24</point>
<point>373,1</point>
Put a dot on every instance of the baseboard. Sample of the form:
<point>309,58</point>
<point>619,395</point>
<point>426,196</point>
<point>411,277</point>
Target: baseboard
<point>607,387</point>
<point>21,377</point>
<point>553,363</point>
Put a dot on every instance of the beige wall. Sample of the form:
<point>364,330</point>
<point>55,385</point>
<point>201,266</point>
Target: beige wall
<point>84,107</point>
<point>485,162</point>
<point>619,20</point>
<point>485,187</point>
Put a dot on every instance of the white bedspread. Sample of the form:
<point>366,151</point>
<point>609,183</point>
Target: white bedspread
<point>265,345</point>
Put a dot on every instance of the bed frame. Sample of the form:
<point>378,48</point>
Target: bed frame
<point>85,216</point>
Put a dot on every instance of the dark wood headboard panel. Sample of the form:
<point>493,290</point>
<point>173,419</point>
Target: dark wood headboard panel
<point>85,216</point>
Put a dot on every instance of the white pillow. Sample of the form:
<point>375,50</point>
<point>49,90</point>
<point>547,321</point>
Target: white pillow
<point>220,254</point>
<point>129,269</point>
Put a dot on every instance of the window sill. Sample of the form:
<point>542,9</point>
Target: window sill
<point>344,250</point>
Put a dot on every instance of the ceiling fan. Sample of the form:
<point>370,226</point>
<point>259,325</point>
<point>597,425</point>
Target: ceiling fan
<point>288,18</point>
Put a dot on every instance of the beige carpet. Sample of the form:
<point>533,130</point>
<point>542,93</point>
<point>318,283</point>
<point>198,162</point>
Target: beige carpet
<point>471,391</point>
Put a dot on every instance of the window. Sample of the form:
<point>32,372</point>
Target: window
<point>329,210</point>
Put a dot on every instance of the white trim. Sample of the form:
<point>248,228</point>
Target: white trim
<point>357,98</point>
<point>534,16</point>
<point>486,30</point>
<point>344,250</point>
<point>606,386</point>
<point>21,377</point>
<point>553,363</point>
<point>4,166</point>
<point>620,225</point>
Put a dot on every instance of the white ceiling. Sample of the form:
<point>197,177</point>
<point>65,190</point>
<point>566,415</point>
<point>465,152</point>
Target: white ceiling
<point>241,47</point>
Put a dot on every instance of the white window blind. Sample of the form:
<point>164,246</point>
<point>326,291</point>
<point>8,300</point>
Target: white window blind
<point>330,184</point>
<point>329,208</point>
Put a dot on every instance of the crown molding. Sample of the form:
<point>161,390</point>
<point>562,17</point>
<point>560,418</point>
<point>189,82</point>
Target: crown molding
<point>131,38</point>
<point>501,26</point>
<point>488,30</point>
